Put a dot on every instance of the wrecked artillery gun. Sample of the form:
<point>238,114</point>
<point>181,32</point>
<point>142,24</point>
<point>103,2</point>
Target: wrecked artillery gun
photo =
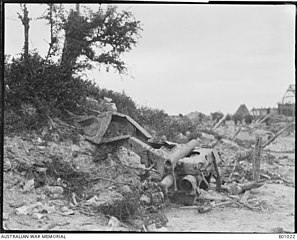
<point>184,168</point>
<point>184,176</point>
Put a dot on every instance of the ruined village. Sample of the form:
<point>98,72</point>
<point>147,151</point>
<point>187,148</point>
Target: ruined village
<point>112,175</point>
<point>94,161</point>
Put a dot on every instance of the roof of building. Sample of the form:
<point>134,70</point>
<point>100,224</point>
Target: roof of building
<point>289,96</point>
<point>242,110</point>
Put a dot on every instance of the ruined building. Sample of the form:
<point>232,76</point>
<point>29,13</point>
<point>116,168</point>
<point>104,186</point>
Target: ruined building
<point>287,105</point>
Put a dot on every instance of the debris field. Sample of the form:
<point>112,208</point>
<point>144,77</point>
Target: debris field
<point>104,172</point>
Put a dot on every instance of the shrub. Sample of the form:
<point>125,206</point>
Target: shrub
<point>154,119</point>
<point>124,103</point>
<point>46,87</point>
<point>228,117</point>
<point>216,116</point>
<point>50,90</point>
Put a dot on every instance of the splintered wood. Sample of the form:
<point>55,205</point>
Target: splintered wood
<point>245,196</point>
<point>257,159</point>
<point>221,120</point>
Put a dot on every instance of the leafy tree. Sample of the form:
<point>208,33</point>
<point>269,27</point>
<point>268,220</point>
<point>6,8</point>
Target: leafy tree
<point>102,36</point>
<point>111,31</point>
<point>44,85</point>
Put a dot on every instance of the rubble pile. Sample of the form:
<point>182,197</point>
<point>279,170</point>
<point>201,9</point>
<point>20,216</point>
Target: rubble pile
<point>108,164</point>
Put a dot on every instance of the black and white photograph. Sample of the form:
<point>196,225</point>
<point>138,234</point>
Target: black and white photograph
<point>147,117</point>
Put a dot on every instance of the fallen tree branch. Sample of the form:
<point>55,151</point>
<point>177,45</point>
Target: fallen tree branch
<point>216,205</point>
<point>259,120</point>
<point>245,205</point>
<point>251,185</point>
<point>264,176</point>
<point>277,134</point>
<point>288,151</point>
<point>221,120</point>
<point>263,119</point>
<point>213,198</point>
<point>110,180</point>
<point>245,197</point>
<point>223,203</point>
<point>188,207</point>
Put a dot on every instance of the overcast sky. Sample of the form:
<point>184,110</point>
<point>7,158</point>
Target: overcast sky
<point>202,58</point>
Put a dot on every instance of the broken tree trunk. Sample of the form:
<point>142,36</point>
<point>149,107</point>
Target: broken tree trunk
<point>218,178</point>
<point>257,159</point>
<point>277,134</point>
<point>221,120</point>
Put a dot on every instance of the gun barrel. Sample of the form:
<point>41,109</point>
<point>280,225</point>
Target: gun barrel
<point>180,152</point>
<point>188,183</point>
<point>168,181</point>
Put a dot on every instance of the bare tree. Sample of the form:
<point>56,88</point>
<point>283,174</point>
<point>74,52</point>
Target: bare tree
<point>77,8</point>
<point>25,21</point>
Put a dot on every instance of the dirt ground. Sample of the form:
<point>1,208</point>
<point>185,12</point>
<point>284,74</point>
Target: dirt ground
<point>277,200</point>
<point>278,213</point>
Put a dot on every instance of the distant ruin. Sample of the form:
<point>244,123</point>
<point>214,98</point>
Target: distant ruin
<point>286,107</point>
